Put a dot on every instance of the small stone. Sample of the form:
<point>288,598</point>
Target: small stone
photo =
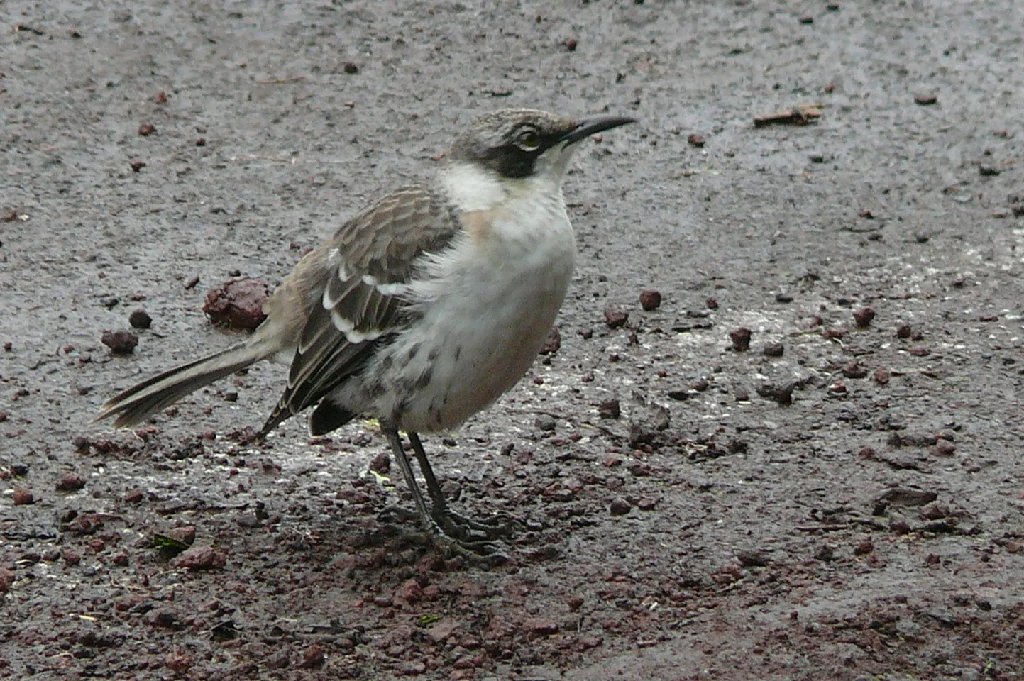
<point>545,422</point>
<point>925,99</point>
<point>780,394</point>
<point>571,44</point>
<point>609,409</point>
<point>615,317</point>
<point>774,350</point>
<point>933,559</point>
<point>6,580</point>
<point>863,548</point>
<point>903,331</point>
<point>238,303</point>
<point>553,343</point>
<point>350,67</point>
<point>312,657</point>
<point>71,482</point>
<point>854,370</point>
<point>711,303</point>
<point>881,376</point>
<point>137,165</point>
<point>620,507</point>
<point>22,496</point>
<point>71,557</point>
<point>696,140</point>
<point>806,19</point>
<point>752,558</point>
<point>381,463</point>
<point>410,591</point>
<point>935,511</point>
<point>120,342</point>
<point>540,626</point>
<point>863,317</point>
<point>988,170</point>
<point>740,339</point>
<point>161,97</point>
<point>178,663</point>
<point>146,129</point>
<point>200,558</point>
<point>650,300</point>
<point>140,319</point>
<point>186,534</point>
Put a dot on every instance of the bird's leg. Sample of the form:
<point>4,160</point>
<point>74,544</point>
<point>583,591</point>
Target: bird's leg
<point>447,535</point>
<point>395,440</point>
<point>458,525</point>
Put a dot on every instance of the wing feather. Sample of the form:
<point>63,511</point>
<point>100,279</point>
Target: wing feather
<point>359,305</point>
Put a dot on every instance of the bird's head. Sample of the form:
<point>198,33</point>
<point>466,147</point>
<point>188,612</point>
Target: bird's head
<point>516,148</point>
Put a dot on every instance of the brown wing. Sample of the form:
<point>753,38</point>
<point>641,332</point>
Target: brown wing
<point>355,280</point>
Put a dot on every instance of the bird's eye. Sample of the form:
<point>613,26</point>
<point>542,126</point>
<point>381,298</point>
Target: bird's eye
<point>528,140</point>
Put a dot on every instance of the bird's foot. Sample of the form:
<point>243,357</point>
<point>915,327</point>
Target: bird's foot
<point>469,530</point>
<point>455,535</point>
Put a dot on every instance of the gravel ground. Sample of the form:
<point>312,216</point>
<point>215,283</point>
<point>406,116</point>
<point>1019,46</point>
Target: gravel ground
<point>835,492</point>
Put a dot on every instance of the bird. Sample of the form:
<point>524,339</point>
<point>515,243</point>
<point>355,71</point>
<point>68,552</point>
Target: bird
<point>421,310</point>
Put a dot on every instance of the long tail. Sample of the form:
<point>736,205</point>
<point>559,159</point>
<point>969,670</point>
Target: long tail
<point>136,404</point>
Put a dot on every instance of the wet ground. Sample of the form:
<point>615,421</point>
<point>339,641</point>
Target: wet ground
<point>842,499</point>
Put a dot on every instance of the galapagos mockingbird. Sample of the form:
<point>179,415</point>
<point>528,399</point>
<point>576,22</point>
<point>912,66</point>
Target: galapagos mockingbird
<point>424,308</point>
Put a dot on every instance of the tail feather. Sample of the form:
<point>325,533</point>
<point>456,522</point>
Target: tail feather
<point>139,402</point>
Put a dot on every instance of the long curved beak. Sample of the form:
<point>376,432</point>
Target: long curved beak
<point>591,126</point>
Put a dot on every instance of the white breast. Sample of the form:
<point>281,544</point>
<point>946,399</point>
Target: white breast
<point>487,306</point>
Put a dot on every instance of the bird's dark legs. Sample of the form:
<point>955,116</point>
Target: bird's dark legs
<point>456,532</point>
<point>395,440</point>
<point>458,525</point>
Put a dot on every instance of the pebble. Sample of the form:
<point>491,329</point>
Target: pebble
<point>71,482</point>
<point>774,350</point>
<point>313,657</point>
<point>752,558</point>
<point>6,580</point>
<point>22,496</point>
<point>553,343</point>
<point>545,422</point>
<point>238,303</point>
<point>925,98</point>
<point>740,339</point>
<point>615,317</point>
<point>200,558</point>
<point>696,140</point>
<point>780,394</point>
<point>120,342</point>
<point>620,507</point>
<point>140,319</point>
<point>864,317</point>
<point>650,300</point>
<point>609,409</point>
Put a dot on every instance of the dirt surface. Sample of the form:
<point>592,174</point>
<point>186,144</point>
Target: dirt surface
<point>841,500</point>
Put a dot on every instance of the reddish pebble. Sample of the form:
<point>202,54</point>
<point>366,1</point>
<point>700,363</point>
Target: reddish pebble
<point>237,304</point>
<point>146,129</point>
<point>6,580</point>
<point>22,497</point>
<point>201,558</point>
<point>178,663</point>
<point>312,657</point>
<point>137,165</point>
<point>71,556</point>
<point>854,370</point>
<point>881,376</point>
<point>120,342</point>
<point>711,303</point>
<point>540,626</point>
<point>553,343</point>
<point>133,497</point>
<point>140,319</point>
<point>864,317</point>
<point>740,339</point>
<point>615,317</point>
<point>832,334</point>
<point>650,300</point>
<point>903,331</point>
<point>161,97</point>
<point>410,591</point>
<point>925,99</point>
<point>932,559</point>
<point>71,482</point>
<point>696,140</point>
<point>863,548</point>
<point>571,44</point>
